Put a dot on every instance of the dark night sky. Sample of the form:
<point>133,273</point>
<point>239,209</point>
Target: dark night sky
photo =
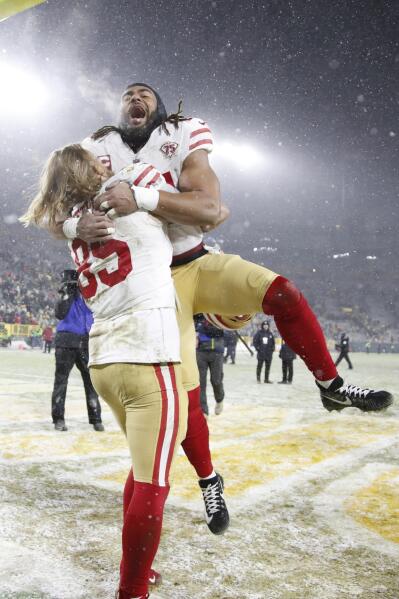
<point>312,85</point>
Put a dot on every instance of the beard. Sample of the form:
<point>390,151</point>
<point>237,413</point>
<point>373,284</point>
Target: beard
<point>137,137</point>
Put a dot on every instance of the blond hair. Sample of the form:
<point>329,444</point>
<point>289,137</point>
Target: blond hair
<point>70,176</point>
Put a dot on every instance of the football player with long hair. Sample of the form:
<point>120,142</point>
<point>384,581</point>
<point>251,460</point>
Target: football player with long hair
<point>134,341</point>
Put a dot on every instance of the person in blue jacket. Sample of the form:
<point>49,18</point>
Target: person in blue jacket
<point>72,349</point>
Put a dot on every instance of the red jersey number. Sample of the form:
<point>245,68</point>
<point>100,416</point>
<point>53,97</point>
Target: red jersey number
<point>82,253</point>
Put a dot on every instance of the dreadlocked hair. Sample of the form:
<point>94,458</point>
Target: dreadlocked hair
<point>69,177</point>
<point>175,118</point>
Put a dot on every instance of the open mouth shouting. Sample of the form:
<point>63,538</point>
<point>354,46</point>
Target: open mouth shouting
<point>138,115</point>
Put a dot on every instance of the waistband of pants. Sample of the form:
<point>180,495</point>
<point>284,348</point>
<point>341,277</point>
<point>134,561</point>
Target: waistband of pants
<point>190,255</point>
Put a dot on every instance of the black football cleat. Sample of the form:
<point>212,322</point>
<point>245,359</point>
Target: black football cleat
<point>340,395</point>
<point>216,513</point>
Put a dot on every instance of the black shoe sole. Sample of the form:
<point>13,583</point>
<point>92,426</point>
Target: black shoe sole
<point>333,406</point>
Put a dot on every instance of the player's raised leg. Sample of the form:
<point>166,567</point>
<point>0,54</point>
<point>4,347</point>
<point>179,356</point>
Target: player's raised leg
<point>300,328</point>
<point>229,285</point>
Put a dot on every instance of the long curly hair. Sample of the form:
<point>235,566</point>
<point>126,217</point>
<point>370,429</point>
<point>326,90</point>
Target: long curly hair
<point>70,176</point>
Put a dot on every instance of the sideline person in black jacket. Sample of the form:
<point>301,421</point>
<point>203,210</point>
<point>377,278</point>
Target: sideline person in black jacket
<point>264,344</point>
<point>287,356</point>
<point>230,340</point>
<point>343,348</point>
<point>210,350</point>
<point>72,348</point>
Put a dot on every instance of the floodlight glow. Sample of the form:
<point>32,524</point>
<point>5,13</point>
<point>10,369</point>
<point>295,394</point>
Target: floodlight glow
<point>22,93</point>
<point>244,156</point>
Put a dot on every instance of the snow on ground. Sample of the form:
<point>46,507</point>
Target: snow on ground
<point>313,496</point>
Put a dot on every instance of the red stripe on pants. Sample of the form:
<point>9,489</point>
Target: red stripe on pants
<point>175,421</point>
<point>162,426</point>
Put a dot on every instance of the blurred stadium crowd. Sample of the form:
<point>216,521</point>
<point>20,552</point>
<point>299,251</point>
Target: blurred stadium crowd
<point>29,280</point>
<point>28,289</point>
<point>349,292</point>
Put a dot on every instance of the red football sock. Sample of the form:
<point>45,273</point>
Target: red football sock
<point>299,327</point>
<point>127,497</point>
<point>140,536</point>
<point>196,443</point>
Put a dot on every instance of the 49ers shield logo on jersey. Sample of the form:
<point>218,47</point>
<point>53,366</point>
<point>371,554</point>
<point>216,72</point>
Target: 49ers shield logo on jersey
<point>169,148</point>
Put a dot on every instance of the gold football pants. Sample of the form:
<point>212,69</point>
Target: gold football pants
<point>150,404</point>
<point>220,284</point>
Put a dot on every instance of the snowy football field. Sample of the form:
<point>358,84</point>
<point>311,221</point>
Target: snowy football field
<point>313,496</point>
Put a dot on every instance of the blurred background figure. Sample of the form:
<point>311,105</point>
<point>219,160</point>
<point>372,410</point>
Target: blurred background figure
<point>264,344</point>
<point>5,339</point>
<point>287,356</point>
<point>36,337</point>
<point>72,348</point>
<point>230,342</point>
<point>210,350</point>
<point>343,348</point>
<point>48,338</point>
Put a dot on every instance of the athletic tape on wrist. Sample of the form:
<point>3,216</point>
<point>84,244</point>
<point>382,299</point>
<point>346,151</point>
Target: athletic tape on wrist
<point>146,198</point>
<point>70,227</point>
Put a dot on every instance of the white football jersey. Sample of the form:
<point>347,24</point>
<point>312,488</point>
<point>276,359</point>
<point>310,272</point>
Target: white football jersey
<point>127,284</point>
<point>167,153</point>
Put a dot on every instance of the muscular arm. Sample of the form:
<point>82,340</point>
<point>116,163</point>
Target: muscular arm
<point>199,201</point>
<point>223,215</point>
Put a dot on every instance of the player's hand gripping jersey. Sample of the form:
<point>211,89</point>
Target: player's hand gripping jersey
<point>167,153</point>
<point>127,284</point>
